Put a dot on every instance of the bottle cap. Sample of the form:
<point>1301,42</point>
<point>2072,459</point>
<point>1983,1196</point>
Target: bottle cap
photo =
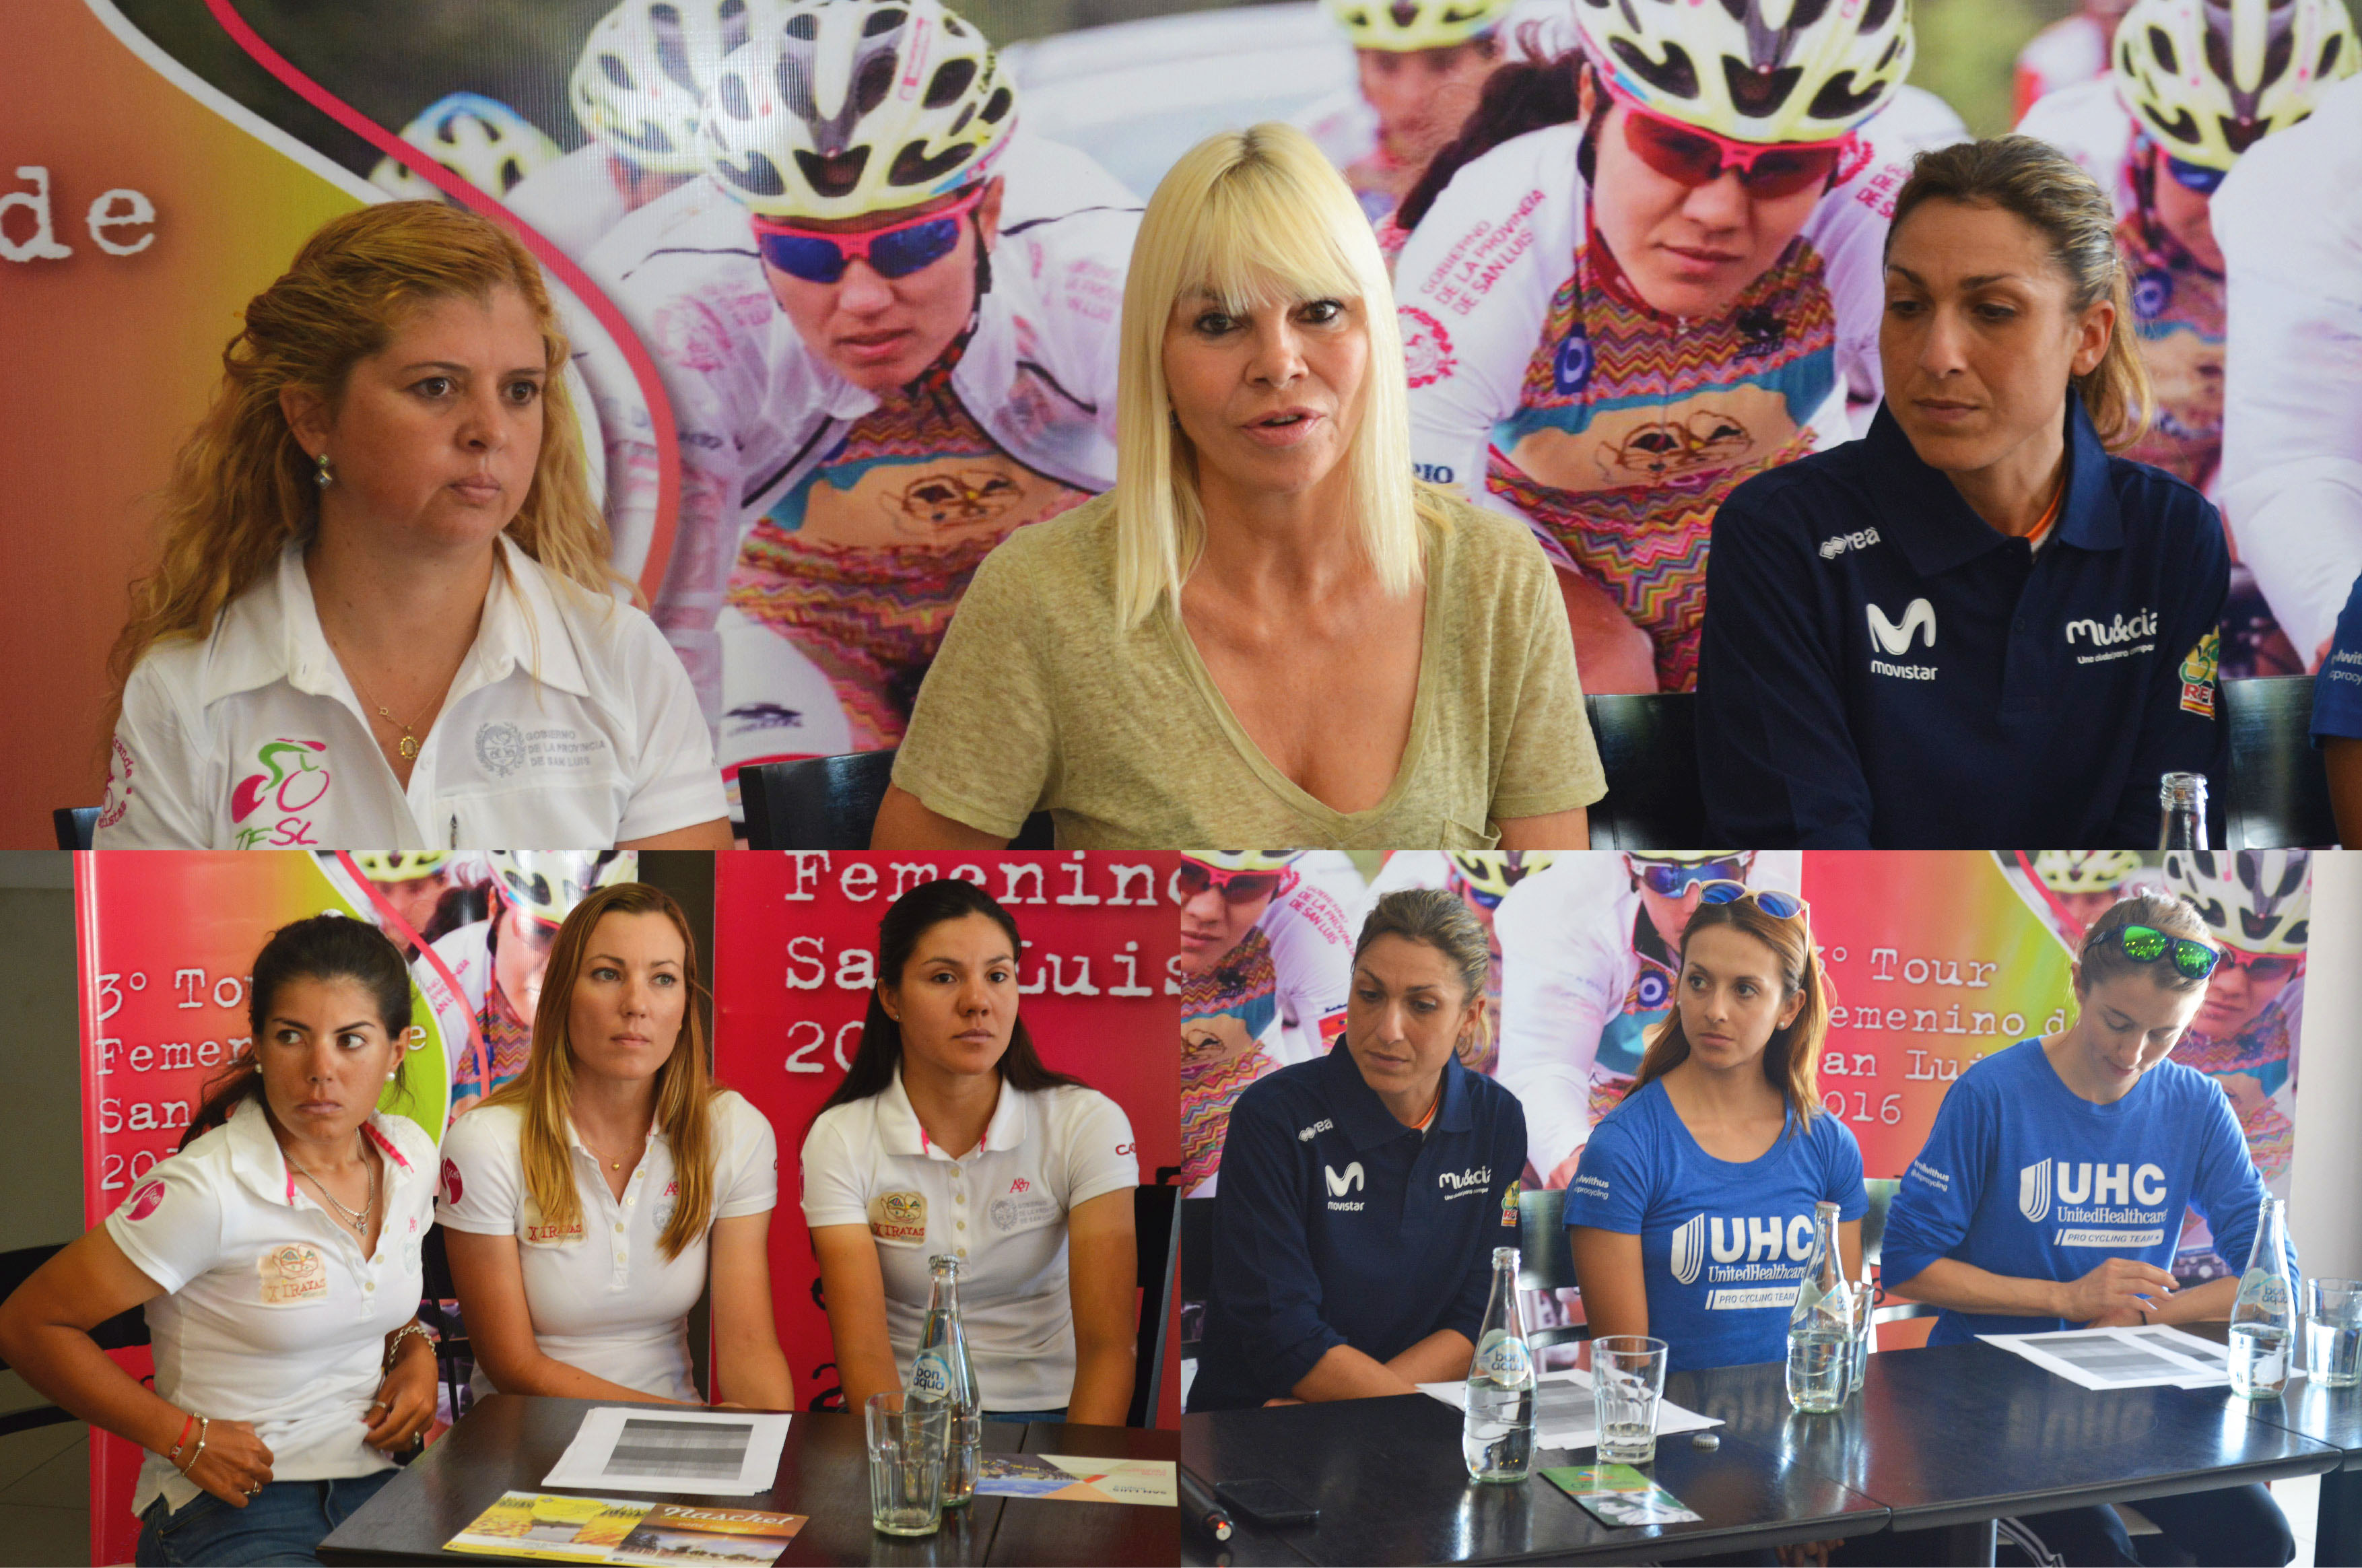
<point>1706,1440</point>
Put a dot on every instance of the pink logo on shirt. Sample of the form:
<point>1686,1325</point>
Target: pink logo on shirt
<point>451,1180</point>
<point>291,784</point>
<point>145,1202</point>
<point>1019,1186</point>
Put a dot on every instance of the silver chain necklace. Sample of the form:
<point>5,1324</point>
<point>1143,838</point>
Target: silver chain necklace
<point>360,1222</point>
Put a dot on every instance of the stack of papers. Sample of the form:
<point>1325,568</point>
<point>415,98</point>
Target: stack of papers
<point>1563,1415</point>
<point>657,1448</point>
<point>2150,1356</point>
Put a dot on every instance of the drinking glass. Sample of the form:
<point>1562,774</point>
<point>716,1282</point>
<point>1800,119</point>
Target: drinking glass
<point>1858,1360</point>
<point>1628,1382</point>
<point>2333,1331</point>
<point>906,1462</point>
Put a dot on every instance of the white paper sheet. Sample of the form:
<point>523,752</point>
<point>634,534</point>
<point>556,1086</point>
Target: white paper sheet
<point>659,1448</point>
<point>1564,1417</point>
<point>2150,1356</point>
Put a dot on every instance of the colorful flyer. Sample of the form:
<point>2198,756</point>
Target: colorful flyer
<point>553,1529</point>
<point>1068,1479</point>
<point>676,1532</point>
<point>1618,1494</point>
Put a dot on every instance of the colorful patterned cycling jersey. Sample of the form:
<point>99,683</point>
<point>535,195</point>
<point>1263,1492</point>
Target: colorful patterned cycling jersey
<point>1634,425</point>
<point>2263,1053</point>
<point>2177,308</point>
<point>1224,1013</point>
<point>508,1039</point>
<point>861,564</point>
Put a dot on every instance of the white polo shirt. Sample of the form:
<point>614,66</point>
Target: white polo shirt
<point>602,1296</point>
<point>271,1314</point>
<point>569,725</point>
<point>1002,1208</point>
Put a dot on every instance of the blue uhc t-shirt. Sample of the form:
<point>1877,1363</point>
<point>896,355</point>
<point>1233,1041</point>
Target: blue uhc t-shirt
<point>2337,689</point>
<point>1722,1245</point>
<point>2023,1176</point>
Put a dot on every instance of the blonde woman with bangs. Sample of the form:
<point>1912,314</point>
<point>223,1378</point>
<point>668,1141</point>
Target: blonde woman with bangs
<point>382,615</point>
<point>589,1203</point>
<point>1267,632</point>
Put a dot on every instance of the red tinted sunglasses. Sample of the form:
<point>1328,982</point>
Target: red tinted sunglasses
<point>1694,157</point>
<point>1237,887</point>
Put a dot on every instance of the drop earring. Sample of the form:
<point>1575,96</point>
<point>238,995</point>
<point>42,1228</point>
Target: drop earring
<point>320,472</point>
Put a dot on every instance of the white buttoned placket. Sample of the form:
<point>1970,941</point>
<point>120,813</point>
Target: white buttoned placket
<point>348,1245</point>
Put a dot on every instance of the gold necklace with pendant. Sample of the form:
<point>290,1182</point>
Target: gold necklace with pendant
<point>408,745</point>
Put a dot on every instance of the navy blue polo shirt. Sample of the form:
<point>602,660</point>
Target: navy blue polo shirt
<point>1881,669</point>
<point>2337,689</point>
<point>1337,1225</point>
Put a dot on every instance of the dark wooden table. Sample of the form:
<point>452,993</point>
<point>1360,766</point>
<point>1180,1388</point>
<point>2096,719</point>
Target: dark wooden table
<point>1952,1437</point>
<point>1388,1479</point>
<point>508,1443</point>
<point>2332,1415</point>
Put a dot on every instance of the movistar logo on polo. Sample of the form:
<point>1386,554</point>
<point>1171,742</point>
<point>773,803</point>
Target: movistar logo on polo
<point>1306,1134</point>
<point>1752,1260</point>
<point>2121,636</point>
<point>1462,1183</point>
<point>2095,1205</point>
<point>1861,539</point>
<point>1895,639</point>
<point>1342,1182</point>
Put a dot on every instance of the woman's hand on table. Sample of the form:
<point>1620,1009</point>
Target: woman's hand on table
<point>2117,1285</point>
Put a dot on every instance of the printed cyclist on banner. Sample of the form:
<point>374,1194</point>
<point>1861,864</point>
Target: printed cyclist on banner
<point>1623,314</point>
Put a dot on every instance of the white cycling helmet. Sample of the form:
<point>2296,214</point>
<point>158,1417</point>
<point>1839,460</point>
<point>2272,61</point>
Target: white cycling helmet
<point>1756,71</point>
<point>840,108</point>
<point>641,83</point>
<point>1244,859</point>
<point>547,883</point>
<point>2207,79</point>
<point>2259,900</point>
<point>1399,27</point>
<point>480,139</point>
<point>2084,870</point>
<point>401,865</point>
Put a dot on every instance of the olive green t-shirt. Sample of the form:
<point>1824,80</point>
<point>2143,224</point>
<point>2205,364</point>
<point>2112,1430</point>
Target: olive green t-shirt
<point>1041,700</point>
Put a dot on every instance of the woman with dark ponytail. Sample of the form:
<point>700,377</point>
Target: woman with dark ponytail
<point>277,1254</point>
<point>949,1138</point>
<point>1645,271</point>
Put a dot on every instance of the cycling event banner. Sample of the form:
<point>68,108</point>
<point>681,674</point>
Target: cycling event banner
<point>1934,960</point>
<point>166,941</point>
<point>796,942</point>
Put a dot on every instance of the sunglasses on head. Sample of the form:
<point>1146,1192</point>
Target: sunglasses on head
<point>895,252</point>
<point>1236,887</point>
<point>1693,156</point>
<point>2147,944</point>
<point>1671,881</point>
<point>1770,901</point>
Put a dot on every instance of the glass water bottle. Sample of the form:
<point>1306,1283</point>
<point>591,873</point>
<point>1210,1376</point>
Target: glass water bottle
<point>942,1371</point>
<point>1820,1326</point>
<point>2263,1321</point>
<point>1496,1433</point>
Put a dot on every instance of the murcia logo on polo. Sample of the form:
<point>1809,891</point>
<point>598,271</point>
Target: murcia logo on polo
<point>2108,633</point>
<point>1462,1183</point>
<point>500,747</point>
<point>1918,617</point>
<point>1306,1134</point>
<point>1339,1184</point>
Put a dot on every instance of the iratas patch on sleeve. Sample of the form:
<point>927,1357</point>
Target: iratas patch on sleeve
<point>292,1275</point>
<point>2198,675</point>
<point>898,1216</point>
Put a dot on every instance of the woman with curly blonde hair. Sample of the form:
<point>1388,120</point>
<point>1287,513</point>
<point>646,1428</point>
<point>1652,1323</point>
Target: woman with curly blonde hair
<point>383,614</point>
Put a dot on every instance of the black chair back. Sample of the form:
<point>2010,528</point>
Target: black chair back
<point>2279,790</point>
<point>1647,745</point>
<point>454,1359</point>
<point>830,802</point>
<point>1158,1238</point>
<point>74,825</point>
<point>1546,1261</point>
<point>121,1332</point>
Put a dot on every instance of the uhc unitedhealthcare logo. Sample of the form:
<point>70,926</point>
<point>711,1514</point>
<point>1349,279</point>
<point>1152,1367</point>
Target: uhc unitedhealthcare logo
<point>2033,1192</point>
<point>1689,1248</point>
